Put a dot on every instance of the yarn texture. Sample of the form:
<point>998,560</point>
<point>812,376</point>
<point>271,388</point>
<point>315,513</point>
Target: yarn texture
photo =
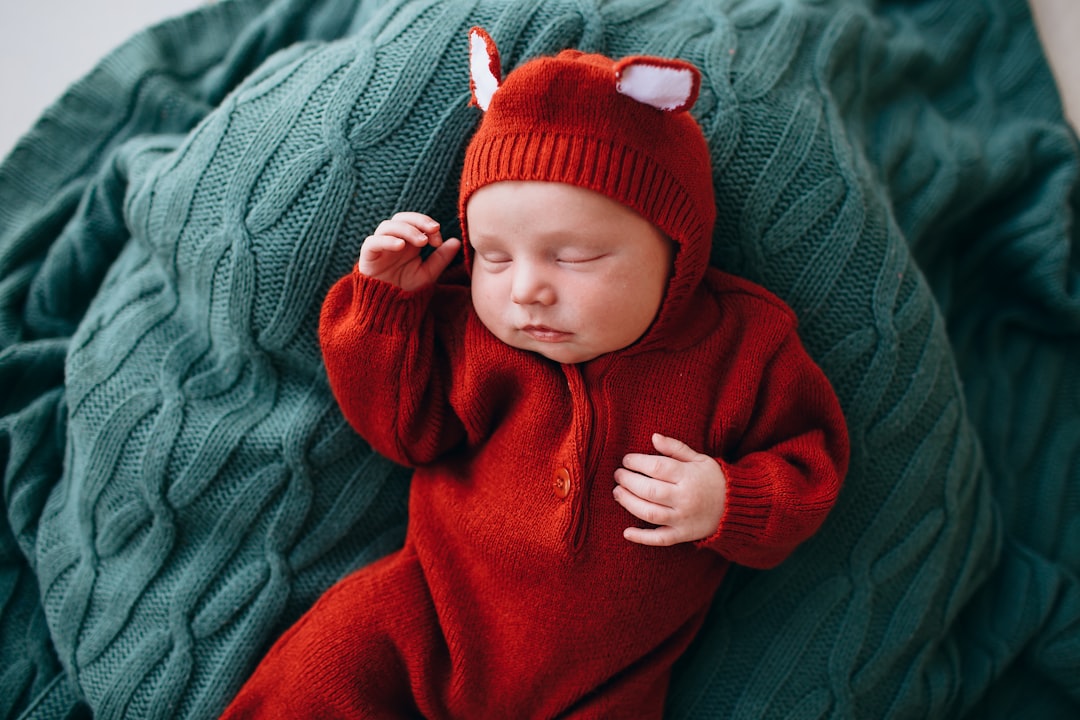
<point>179,486</point>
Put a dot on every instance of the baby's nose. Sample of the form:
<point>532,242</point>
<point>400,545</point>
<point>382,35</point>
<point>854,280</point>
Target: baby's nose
<point>530,286</point>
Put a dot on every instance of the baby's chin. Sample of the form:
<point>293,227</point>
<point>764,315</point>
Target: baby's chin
<point>565,357</point>
<point>565,353</point>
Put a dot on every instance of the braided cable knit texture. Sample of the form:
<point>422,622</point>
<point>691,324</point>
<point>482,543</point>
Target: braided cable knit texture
<point>179,485</point>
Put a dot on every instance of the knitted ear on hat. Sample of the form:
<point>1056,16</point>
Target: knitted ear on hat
<point>665,84</point>
<point>485,72</point>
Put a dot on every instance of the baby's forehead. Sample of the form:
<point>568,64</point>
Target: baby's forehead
<point>558,212</point>
<point>569,238</point>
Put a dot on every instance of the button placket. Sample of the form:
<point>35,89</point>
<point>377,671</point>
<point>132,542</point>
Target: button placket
<point>572,481</point>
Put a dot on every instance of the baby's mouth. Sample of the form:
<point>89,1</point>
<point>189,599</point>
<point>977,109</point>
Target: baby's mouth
<point>543,333</point>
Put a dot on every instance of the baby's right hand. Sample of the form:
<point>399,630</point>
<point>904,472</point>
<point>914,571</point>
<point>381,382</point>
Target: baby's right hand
<point>392,253</point>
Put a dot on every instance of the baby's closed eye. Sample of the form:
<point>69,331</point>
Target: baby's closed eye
<point>577,257</point>
<point>494,258</point>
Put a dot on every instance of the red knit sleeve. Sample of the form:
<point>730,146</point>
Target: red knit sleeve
<point>387,369</point>
<point>785,472</point>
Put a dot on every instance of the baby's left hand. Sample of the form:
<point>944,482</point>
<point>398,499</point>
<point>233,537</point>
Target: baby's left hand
<point>680,490</point>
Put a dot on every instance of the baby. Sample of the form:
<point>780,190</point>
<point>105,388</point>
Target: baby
<point>599,423</point>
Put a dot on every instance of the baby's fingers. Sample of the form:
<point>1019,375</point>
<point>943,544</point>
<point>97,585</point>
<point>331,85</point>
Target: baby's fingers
<point>649,489</point>
<point>380,252</point>
<point>657,537</point>
<point>643,498</point>
<point>377,244</point>
<point>668,528</point>
<point>406,231</point>
<point>419,220</point>
<point>394,252</point>
<point>440,259</point>
<point>675,449</point>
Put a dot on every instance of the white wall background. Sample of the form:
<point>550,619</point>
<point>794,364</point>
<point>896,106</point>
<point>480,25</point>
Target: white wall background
<point>45,45</point>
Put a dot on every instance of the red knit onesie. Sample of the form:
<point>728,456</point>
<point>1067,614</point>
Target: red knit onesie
<point>516,595</point>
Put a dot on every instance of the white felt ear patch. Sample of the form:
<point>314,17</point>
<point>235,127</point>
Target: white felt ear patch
<point>670,85</point>
<point>484,67</point>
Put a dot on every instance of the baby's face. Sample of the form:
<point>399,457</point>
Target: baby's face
<point>562,271</point>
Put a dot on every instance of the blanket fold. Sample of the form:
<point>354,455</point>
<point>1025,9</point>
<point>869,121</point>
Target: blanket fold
<point>178,484</point>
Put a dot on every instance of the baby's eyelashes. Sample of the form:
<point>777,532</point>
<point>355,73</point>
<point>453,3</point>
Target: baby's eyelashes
<point>493,258</point>
<point>580,258</point>
<point>570,257</point>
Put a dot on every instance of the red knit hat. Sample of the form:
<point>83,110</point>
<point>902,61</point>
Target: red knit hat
<point>620,128</point>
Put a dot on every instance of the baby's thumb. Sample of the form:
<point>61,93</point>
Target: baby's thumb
<point>441,257</point>
<point>675,449</point>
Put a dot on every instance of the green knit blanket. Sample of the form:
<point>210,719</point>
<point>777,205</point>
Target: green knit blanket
<point>178,484</point>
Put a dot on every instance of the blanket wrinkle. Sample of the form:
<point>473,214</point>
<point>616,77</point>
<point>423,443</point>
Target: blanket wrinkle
<point>179,486</point>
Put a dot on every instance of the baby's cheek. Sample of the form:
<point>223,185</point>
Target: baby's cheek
<point>486,301</point>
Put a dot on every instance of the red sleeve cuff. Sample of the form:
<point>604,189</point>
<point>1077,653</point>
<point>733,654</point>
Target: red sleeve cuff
<point>381,307</point>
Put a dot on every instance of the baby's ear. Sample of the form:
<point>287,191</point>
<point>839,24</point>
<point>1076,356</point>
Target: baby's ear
<point>485,71</point>
<point>666,84</point>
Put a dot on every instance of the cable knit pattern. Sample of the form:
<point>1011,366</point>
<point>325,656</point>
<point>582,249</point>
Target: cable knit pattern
<point>179,486</point>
